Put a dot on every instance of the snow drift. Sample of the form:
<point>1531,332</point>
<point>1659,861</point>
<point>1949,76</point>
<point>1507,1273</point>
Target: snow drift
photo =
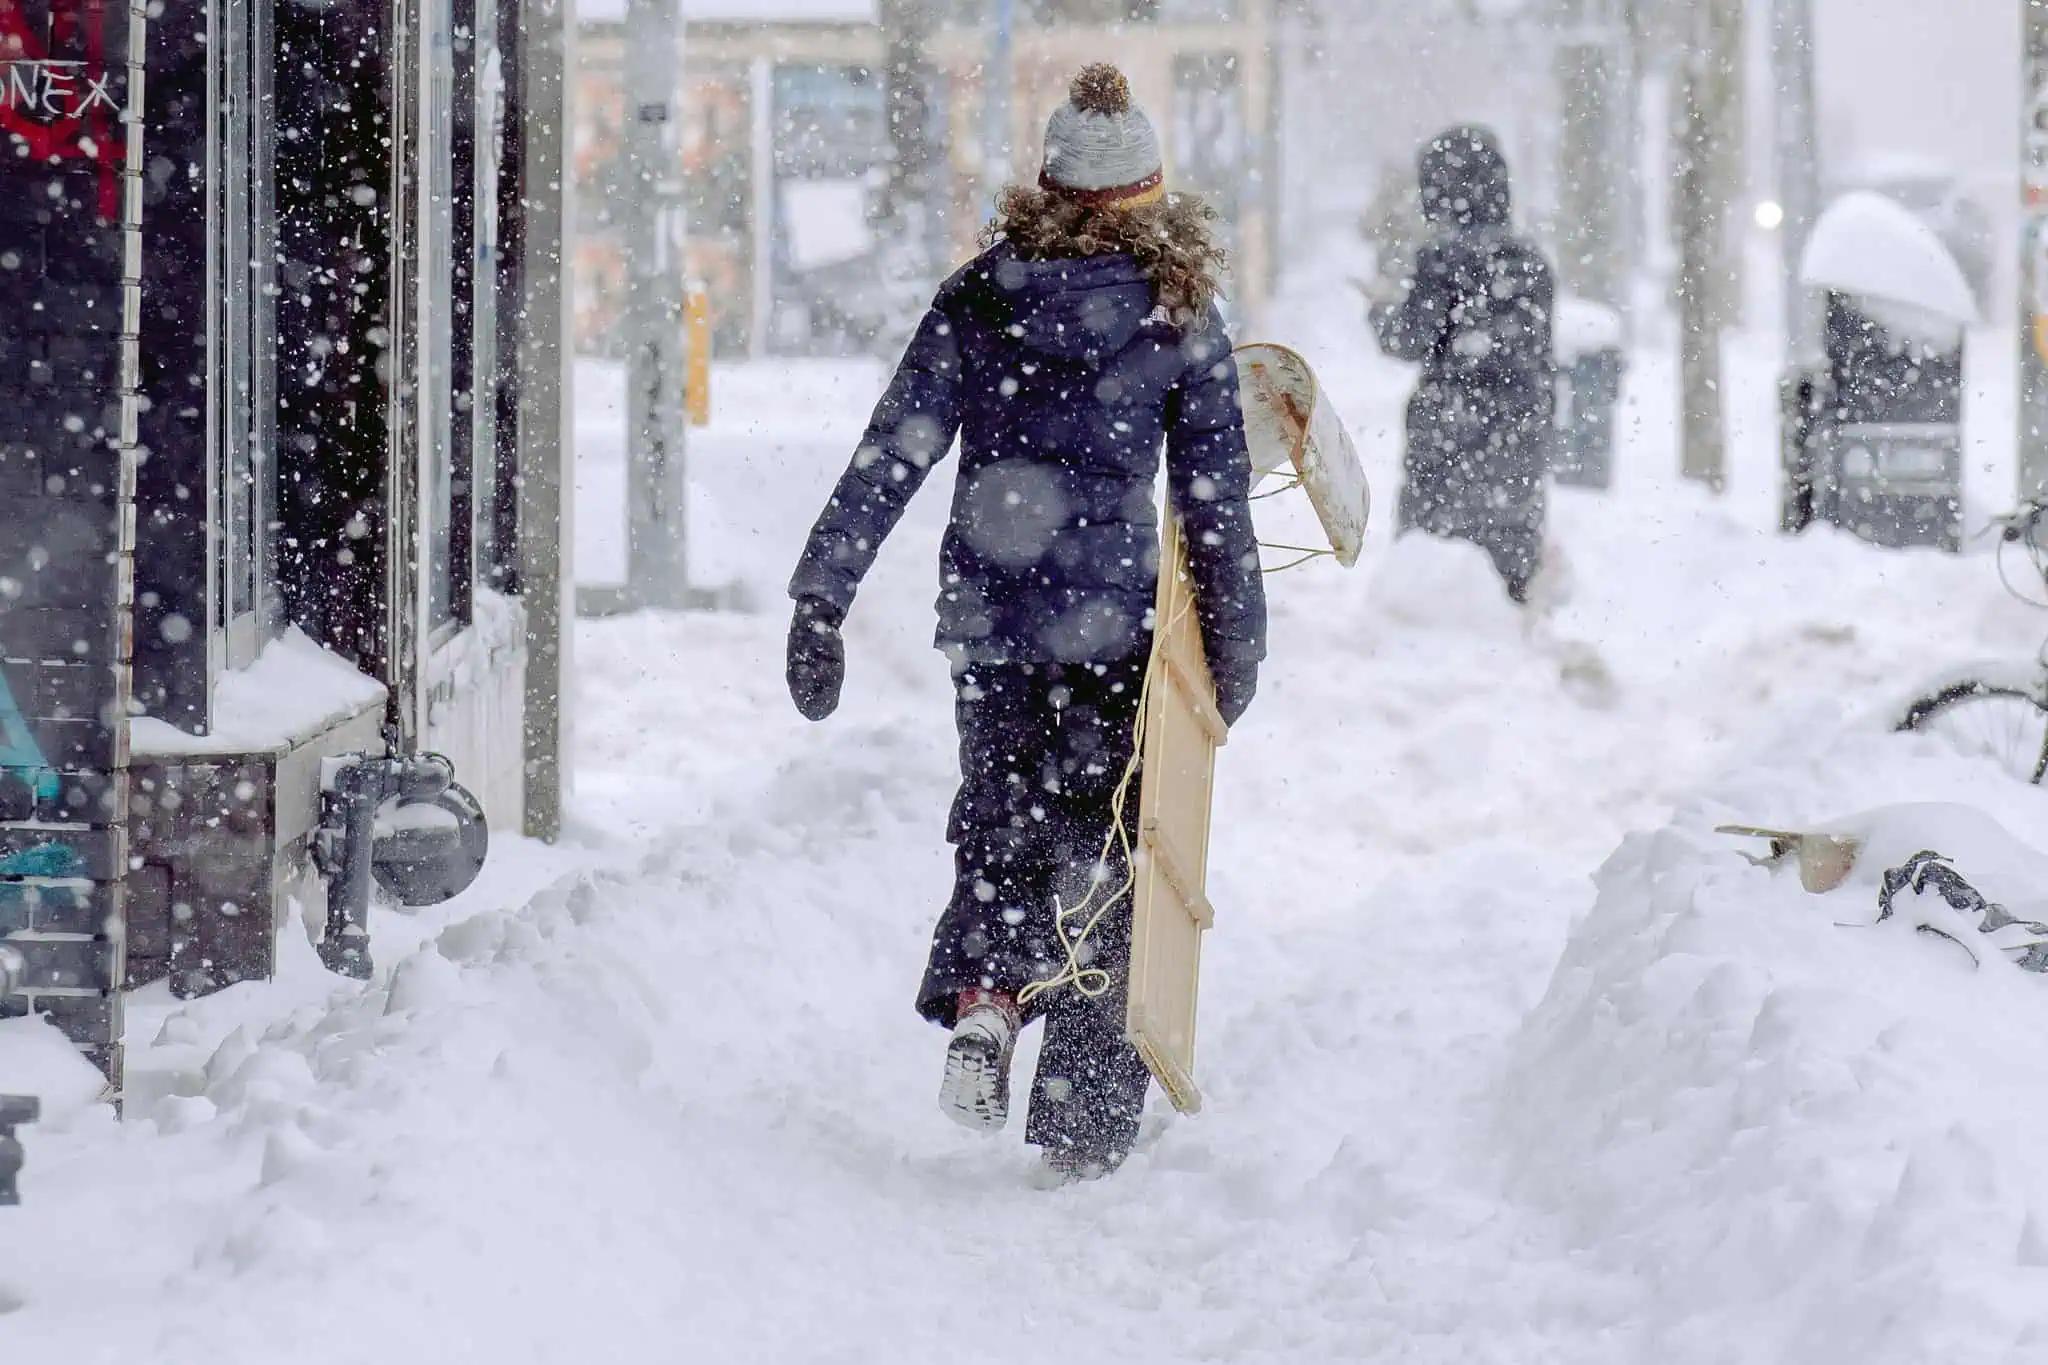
<point>1813,1135</point>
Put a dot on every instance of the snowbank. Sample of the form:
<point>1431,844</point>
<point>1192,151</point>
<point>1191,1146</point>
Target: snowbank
<point>1813,1138</point>
<point>36,1059</point>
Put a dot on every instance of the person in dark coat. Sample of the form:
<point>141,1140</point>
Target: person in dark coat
<point>1065,356</point>
<point>1477,314</point>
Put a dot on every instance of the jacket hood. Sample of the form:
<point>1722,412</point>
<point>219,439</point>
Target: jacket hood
<point>1464,179</point>
<point>1075,308</point>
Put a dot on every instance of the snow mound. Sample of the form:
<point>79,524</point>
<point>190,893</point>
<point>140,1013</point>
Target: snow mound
<point>1873,247</point>
<point>1785,1118</point>
<point>36,1059</point>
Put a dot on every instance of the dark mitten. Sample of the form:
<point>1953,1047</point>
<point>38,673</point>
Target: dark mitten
<point>817,658</point>
<point>1237,681</point>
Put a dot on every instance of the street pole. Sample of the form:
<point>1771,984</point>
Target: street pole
<point>1589,67</point>
<point>1705,184</point>
<point>1795,135</point>
<point>995,84</point>
<point>2033,301</point>
<point>1640,25</point>
<point>657,570</point>
<point>543,422</point>
<point>909,231</point>
<point>906,39</point>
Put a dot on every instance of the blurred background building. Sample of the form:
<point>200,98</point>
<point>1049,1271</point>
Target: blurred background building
<point>789,144</point>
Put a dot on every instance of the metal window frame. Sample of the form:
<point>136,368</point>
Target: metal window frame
<point>488,96</point>
<point>404,605</point>
<point>434,383</point>
<point>423,409</point>
<point>241,334</point>
<point>506,571</point>
<point>464,302</point>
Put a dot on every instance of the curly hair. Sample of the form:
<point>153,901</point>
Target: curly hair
<point>1171,240</point>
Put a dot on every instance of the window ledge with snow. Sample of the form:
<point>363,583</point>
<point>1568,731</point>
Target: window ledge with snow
<point>293,691</point>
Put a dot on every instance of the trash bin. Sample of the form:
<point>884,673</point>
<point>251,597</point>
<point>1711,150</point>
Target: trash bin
<point>1874,433</point>
<point>1588,341</point>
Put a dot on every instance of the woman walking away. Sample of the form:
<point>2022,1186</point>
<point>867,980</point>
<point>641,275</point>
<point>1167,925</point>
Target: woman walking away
<point>1477,315</point>
<point>1065,355</point>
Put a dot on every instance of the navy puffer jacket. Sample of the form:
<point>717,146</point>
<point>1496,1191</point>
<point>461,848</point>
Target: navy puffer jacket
<point>1063,381</point>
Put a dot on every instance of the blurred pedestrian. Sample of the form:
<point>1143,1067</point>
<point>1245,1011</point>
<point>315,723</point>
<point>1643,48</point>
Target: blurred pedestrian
<point>1477,315</point>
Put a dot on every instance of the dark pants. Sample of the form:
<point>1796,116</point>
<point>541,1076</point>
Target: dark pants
<point>1042,750</point>
<point>1514,545</point>
<point>1474,471</point>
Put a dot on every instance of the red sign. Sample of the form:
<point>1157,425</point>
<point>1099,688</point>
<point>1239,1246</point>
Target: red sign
<point>61,108</point>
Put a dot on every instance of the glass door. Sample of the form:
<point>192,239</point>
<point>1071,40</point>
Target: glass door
<point>443,555</point>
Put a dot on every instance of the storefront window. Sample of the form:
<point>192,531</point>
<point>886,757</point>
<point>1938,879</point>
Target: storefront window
<point>242,263</point>
<point>434,377</point>
<point>481,282</point>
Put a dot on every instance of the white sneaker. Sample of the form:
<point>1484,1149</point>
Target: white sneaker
<point>976,1090</point>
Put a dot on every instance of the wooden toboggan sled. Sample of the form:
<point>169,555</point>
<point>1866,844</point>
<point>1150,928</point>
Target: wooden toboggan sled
<point>1292,430</point>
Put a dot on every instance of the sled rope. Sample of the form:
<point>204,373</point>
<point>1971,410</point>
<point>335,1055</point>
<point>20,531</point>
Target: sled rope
<point>1095,982</point>
<point>1287,487</point>
<point>1304,552</point>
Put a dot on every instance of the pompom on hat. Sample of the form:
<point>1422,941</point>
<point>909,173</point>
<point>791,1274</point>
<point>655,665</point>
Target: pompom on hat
<point>1100,149</point>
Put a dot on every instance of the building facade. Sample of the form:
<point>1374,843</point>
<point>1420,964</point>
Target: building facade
<point>282,459</point>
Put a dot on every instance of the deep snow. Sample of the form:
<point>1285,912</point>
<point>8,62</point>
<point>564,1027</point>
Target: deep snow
<point>659,1089</point>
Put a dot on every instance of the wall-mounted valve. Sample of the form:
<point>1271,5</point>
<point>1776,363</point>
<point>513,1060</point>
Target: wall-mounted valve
<point>15,1110</point>
<point>403,823</point>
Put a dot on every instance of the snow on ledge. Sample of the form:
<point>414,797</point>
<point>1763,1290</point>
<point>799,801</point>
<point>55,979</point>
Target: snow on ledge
<point>293,689</point>
<point>36,1059</point>
<point>1780,1113</point>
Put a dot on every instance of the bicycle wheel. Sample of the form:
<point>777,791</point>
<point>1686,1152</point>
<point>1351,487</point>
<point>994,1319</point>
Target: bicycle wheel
<point>1990,720</point>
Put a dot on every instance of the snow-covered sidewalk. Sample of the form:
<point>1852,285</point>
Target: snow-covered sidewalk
<point>658,1091</point>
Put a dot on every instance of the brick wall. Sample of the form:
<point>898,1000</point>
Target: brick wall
<point>70,201</point>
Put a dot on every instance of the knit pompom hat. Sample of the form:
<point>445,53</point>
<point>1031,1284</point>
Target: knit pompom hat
<point>1099,148</point>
